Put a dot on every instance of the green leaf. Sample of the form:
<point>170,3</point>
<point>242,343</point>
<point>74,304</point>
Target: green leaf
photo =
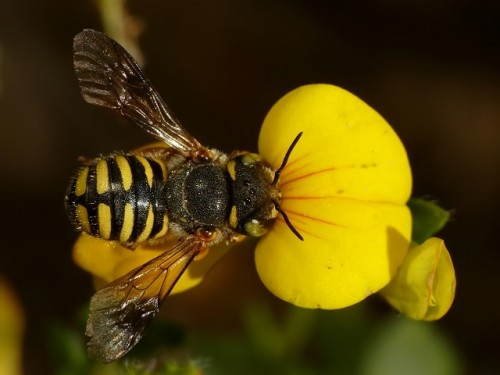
<point>428,219</point>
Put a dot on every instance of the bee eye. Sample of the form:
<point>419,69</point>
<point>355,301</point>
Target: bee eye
<point>247,201</point>
<point>246,182</point>
<point>252,191</point>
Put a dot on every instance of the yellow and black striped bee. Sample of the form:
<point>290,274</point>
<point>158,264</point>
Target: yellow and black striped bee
<point>197,194</point>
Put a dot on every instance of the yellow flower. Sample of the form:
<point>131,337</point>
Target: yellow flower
<point>107,261</point>
<point>11,331</point>
<point>344,189</point>
<point>424,287</point>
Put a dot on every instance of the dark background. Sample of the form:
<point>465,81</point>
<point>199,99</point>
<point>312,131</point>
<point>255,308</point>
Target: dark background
<point>430,68</point>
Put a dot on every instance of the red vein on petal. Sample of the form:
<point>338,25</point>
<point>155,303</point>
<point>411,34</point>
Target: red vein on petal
<point>310,197</point>
<point>292,169</point>
<point>321,171</point>
<point>301,215</point>
<point>287,172</point>
<point>300,229</point>
<point>344,198</point>
<point>292,163</point>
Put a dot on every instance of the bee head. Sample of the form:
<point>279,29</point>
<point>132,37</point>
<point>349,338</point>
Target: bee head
<point>256,193</point>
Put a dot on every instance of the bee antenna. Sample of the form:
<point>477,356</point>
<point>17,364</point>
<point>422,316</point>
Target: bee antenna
<point>277,173</point>
<point>285,217</point>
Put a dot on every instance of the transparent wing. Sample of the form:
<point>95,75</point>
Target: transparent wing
<point>121,311</point>
<point>110,77</point>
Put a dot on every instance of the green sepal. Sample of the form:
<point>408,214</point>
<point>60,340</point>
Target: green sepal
<point>428,219</point>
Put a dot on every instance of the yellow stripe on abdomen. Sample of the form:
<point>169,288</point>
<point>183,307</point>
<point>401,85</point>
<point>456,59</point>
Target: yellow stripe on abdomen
<point>102,176</point>
<point>128,223</point>
<point>104,218</point>
<point>81,182</point>
<point>148,227</point>
<point>147,169</point>
<point>83,217</point>
<point>125,171</point>
<point>164,229</point>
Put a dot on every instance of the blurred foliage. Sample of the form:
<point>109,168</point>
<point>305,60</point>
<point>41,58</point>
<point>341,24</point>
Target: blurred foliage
<point>403,346</point>
<point>291,341</point>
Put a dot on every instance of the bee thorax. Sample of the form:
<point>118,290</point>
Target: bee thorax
<point>197,196</point>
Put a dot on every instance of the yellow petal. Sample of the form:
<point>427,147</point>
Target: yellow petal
<point>11,331</point>
<point>347,149</point>
<point>344,189</point>
<point>424,287</point>
<point>107,260</point>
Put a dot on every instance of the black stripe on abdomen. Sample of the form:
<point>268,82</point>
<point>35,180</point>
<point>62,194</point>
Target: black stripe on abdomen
<point>140,197</point>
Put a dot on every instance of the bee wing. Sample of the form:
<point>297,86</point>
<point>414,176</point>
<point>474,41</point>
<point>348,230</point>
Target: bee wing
<point>110,77</point>
<point>121,311</point>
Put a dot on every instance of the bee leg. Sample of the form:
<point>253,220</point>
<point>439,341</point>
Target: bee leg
<point>236,237</point>
<point>129,245</point>
<point>157,151</point>
<point>84,160</point>
<point>203,252</point>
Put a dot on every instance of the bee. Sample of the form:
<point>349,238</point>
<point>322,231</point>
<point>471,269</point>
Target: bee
<point>199,195</point>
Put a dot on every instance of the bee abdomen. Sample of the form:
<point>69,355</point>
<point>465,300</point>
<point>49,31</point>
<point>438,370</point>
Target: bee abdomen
<point>120,198</point>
